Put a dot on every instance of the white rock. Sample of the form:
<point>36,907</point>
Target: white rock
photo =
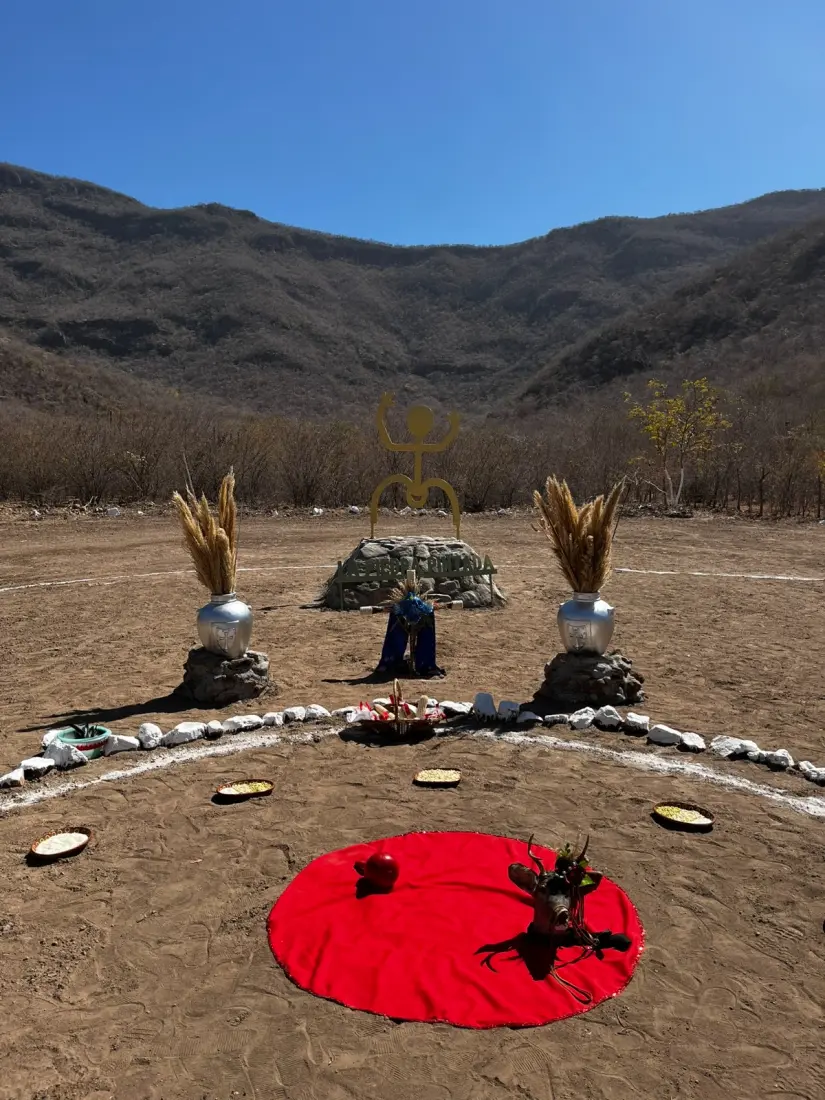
<point>252,721</point>
<point>183,733</point>
<point>35,514</point>
<point>581,719</point>
<point>13,779</point>
<point>317,511</point>
<point>37,766</point>
<point>149,735</point>
<point>295,714</point>
<point>806,767</point>
<point>234,725</point>
<point>354,510</point>
<point>113,513</point>
<point>66,756</point>
<point>315,713</point>
<point>508,710</point>
<point>484,705</point>
<point>556,719</point>
<point>692,742</point>
<point>780,759</point>
<point>214,727</point>
<point>47,738</point>
<point>757,757</point>
<point>607,718</point>
<point>730,747</point>
<point>118,742</point>
<point>452,709</point>
<point>273,718</point>
<point>527,716</point>
<point>663,735</point>
<point>636,724</point>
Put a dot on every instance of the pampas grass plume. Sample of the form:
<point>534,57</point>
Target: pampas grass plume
<point>581,538</point>
<point>212,542</point>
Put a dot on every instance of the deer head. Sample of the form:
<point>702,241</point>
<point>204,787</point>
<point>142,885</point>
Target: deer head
<point>556,894</point>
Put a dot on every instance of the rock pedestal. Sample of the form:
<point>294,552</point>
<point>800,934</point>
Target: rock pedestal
<point>575,680</point>
<point>211,680</point>
<point>376,566</point>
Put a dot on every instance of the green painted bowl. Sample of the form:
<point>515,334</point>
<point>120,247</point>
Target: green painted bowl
<point>93,746</point>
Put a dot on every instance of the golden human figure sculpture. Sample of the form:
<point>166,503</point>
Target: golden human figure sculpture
<point>420,422</point>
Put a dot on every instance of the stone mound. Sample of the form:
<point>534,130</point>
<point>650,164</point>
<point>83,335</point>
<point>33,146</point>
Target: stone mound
<point>375,567</point>
<point>211,680</point>
<point>574,680</point>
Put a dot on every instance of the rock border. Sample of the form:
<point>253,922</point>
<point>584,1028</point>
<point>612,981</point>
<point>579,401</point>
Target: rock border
<point>56,755</point>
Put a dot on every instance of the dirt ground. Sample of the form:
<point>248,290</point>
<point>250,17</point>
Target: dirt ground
<point>140,970</point>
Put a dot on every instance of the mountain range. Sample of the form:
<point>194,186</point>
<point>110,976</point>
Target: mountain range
<point>105,301</point>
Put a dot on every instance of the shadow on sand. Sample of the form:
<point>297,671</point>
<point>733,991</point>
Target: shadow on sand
<point>173,703</point>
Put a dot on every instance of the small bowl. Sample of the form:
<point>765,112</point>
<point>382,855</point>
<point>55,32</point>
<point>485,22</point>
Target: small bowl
<point>242,789</point>
<point>661,816</point>
<point>438,777</point>
<point>38,854</point>
<point>93,746</point>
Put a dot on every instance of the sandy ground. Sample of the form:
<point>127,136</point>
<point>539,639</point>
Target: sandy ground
<point>141,968</point>
<point>718,654</point>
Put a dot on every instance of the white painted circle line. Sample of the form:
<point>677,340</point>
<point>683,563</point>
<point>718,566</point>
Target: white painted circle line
<point>119,578</point>
<point>231,744</point>
<point>729,576</point>
<point>124,577</point>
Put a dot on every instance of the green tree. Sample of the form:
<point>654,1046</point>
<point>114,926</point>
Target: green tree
<point>680,429</point>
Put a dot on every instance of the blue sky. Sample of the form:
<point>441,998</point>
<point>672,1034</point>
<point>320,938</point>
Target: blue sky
<point>420,122</point>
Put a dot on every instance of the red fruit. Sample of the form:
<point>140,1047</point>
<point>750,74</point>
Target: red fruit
<point>381,869</point>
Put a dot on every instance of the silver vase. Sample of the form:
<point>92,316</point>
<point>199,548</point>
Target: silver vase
<point>225,626</point>
<point>585,623</point>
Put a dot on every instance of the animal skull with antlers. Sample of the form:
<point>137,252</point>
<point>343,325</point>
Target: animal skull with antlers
<point>558,895</point>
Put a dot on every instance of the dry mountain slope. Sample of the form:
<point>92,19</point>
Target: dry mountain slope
<point>764,311</point>
<point>214,301</point>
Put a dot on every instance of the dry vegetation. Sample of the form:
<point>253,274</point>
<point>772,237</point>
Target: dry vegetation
<point>128,335</point>
<point>212,301</point>
<point>211,542</point>
<point>581,538</point>
<point>764,464</point>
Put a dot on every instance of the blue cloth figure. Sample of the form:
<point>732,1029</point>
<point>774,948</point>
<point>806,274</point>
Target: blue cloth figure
<point>412,620</point>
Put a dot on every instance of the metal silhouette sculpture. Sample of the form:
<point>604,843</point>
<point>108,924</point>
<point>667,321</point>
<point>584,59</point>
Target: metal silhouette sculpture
<point>420,420</point>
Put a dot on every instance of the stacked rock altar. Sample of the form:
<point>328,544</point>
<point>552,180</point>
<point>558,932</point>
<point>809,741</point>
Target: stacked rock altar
<point>575,680</point>
<point>214,680</point>
<point>375,568</point>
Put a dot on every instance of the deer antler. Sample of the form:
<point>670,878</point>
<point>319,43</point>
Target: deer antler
<point>534,858</point>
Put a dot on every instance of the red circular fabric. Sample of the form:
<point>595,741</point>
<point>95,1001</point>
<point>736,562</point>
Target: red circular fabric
<point>447,943</point>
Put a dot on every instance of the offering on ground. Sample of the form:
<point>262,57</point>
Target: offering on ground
<point>246,788</point>
<point>684,815</point>
<point>438,777</point>
<point>401,717</point>
<point>58,845</point>
<point>381,869</point>
<point>448,942</point>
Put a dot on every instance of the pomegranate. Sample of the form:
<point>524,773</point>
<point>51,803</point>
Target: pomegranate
<point>381,869</point>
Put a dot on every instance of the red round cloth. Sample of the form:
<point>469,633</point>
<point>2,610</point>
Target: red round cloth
<point>448,942</point>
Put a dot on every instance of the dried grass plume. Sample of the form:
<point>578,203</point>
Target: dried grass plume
<point>212,541</point>
<point>582,538</point>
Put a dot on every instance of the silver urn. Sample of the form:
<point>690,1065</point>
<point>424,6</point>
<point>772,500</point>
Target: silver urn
<point>225,626</point>
<point>585,623</point>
